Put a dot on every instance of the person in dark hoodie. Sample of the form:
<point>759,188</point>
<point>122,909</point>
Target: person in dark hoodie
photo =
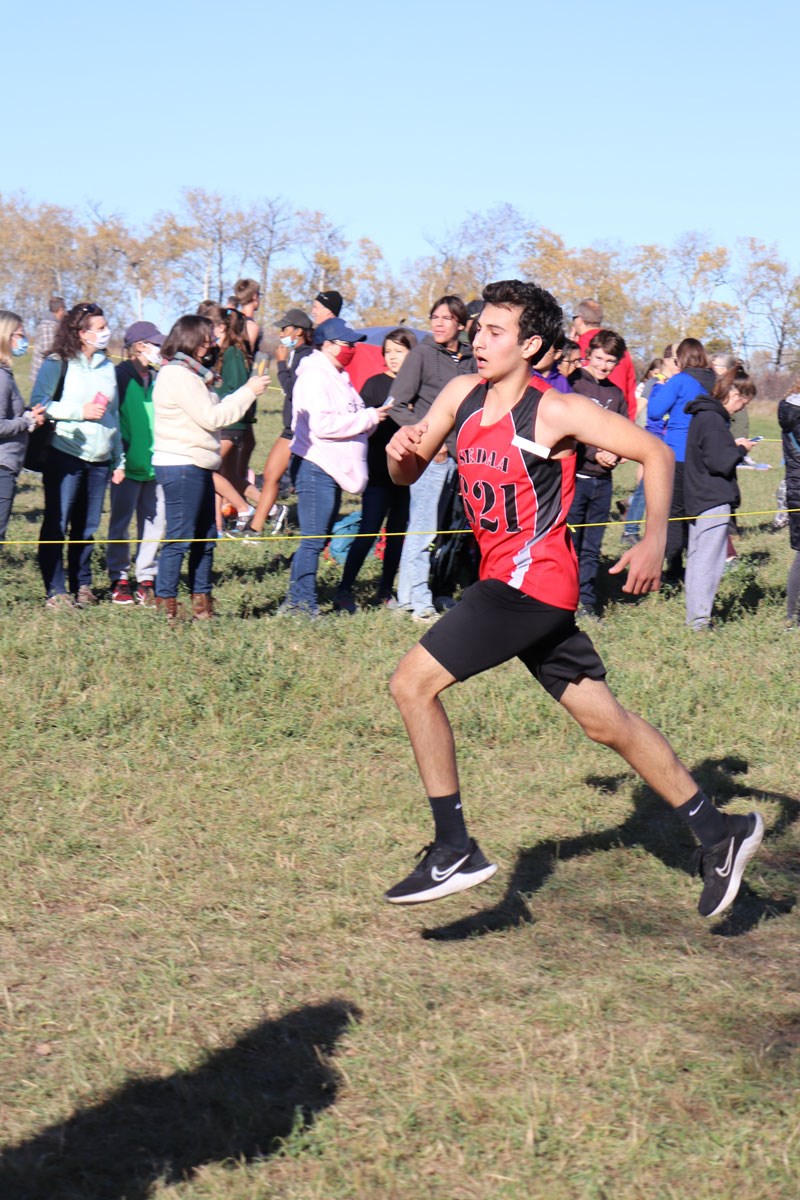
<point>695,377</point>
<point>789,420</point>
<point>138,493</point>
<point>591,505</point>
<point>710,488</point>
<point>438,358</point>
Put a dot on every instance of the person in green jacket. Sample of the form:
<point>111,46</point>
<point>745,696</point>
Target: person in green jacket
<point>138,493</point>
<point>233,363</point>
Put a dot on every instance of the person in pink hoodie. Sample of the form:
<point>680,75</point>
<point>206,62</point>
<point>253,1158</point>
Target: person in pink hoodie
<point>330,426</point>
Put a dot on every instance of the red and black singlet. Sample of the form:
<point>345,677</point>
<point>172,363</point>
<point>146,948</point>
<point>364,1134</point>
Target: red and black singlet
<point>517,500</point>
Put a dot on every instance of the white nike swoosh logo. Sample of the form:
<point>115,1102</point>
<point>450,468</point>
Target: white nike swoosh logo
<point>723,872</point>
<point>694,811</point>
<point>439,876</point>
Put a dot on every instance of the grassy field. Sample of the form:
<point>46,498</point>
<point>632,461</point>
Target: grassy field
<point>203,995</point>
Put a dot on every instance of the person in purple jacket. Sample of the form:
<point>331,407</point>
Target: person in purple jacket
<point>694,378</point>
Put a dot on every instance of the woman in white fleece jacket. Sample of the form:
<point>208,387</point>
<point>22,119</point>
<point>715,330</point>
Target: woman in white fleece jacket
<point>331,427</point>
<point>188,418</point>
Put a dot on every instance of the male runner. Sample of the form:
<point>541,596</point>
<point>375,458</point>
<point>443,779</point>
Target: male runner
<point>516,461</point>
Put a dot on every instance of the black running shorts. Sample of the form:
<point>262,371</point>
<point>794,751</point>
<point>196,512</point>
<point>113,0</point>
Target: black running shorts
<point>493,622</point>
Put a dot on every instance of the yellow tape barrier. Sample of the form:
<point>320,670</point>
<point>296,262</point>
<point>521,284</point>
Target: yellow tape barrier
<point>299,537</point>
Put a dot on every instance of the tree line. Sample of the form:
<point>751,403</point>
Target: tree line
<point>744,298</point>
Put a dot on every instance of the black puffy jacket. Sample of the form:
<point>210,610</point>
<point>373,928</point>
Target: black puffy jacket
<point>789,420</point>
<point>712,456</point>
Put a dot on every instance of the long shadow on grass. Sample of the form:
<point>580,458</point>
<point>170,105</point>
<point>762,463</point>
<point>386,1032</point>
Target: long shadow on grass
<point>651,826</point>
<point>236,1107</point>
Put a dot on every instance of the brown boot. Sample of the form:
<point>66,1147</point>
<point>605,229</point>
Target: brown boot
<point>168,605</point>
<point>202,606</point>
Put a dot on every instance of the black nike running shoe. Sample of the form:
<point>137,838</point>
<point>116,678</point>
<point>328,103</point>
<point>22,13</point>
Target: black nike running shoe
<point>441,872</point>
<point>722,866</point>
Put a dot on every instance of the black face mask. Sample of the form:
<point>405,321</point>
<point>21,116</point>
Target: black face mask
<point>209,359</point>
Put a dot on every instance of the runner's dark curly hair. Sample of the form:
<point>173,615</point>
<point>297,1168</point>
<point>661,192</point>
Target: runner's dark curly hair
<point>541,314</point>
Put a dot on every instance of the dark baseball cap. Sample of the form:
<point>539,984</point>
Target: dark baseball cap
<point>332,301</point>
<point>296,317</point>
<point>144,331</point>
<point>335,329</point>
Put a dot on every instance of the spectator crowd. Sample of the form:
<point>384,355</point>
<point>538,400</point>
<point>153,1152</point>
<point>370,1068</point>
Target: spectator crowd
<point>168,435</point>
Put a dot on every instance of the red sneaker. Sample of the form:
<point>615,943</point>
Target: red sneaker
<point>121,592</point>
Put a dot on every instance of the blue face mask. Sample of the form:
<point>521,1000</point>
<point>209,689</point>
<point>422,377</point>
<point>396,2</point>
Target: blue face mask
<point>288,342</point>
<point>20,348</point>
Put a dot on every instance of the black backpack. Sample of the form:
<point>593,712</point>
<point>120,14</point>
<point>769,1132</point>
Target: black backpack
<point>455,558</point>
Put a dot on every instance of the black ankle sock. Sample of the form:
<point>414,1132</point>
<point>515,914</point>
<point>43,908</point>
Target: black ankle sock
<point>704,819</point>
<point>448,817</point>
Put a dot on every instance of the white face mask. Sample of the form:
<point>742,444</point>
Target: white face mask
<point>101,338</point>
<point>152,354</point>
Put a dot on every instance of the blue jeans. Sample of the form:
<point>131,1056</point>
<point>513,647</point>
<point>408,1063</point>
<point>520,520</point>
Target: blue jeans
<point>413,590</point>
<point>145,499</point>
<point>376,503</point>
<point>74,492</point>
<point>633,525</point>
<point>592,503</point>
<point>318,499</point>
<point>189,503</point>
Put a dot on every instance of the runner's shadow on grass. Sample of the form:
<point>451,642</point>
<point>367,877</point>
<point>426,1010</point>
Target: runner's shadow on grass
<point>651,826</point>
<point>235,1107</point>
<point>748,600</point>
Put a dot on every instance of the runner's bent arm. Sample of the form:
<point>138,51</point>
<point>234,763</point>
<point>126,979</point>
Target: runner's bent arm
<point>413,446</point>
<point>566,417</point>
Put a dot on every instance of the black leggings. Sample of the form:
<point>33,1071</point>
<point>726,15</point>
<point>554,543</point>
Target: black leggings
<point>677,531</point>
<point>793,589</point>
<point>379,502</point>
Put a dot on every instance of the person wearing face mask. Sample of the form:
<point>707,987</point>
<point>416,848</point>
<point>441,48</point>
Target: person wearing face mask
<point>231,360</point>
<point>16,419</point>
<point>438,358</point>
<point>383,500</point>
<point>330,426</point>
<point>138,493</point>
<point>295,344</point>
<point>188,418</point>
<point>86,451</point>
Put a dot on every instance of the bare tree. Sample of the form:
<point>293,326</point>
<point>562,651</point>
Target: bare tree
<point>321,245</point>
<point>268,232</point>
<point>217,234</point>
<point>768,301</point>
<point>683,277</point>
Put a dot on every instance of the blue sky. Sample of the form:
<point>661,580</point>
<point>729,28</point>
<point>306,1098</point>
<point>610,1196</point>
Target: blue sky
<point>619,122</point>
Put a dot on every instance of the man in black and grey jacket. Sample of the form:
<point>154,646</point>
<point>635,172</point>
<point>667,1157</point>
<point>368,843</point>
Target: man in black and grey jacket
<point>591,504</point>
<point>430,365</point>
